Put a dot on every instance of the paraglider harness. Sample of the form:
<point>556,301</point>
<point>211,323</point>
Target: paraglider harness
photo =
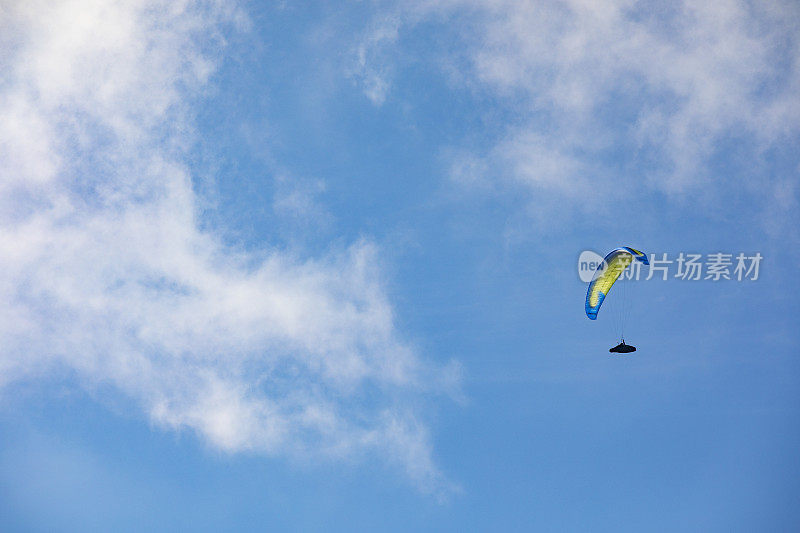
<point>622,348</point>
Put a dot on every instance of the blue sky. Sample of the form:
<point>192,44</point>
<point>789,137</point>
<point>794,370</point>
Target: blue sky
<point>313,266</point>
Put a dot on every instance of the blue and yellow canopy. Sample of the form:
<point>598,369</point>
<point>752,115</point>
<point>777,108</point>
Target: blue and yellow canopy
<point>606,275</point>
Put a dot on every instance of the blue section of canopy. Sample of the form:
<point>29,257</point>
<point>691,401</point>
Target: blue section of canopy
<point>591,312</point>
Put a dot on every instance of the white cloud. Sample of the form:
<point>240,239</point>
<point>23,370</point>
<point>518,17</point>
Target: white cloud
<point>104,270</point>
<point>370,69</point>
<point>657,86</point>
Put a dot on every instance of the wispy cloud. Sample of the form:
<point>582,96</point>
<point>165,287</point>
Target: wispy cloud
<point>371,69</point>
<point>104,270</point>
<point>639,94</point>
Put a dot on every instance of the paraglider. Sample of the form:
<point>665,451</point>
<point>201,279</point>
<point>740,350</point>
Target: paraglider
<point>604,278</point>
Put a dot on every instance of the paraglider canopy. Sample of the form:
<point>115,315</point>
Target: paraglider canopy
<point>606,275</point>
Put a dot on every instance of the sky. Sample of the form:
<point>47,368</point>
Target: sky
<point>313,266</point>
